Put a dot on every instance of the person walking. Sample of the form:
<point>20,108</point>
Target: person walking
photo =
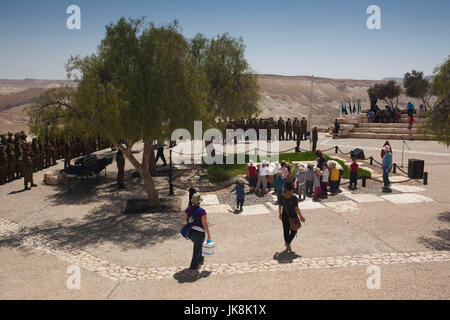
<point>288,208</point>
<point>240,194</point>
<point>410,109</point>
<point>160,153</point>
<point>387,167</point>
<point>197,215</point>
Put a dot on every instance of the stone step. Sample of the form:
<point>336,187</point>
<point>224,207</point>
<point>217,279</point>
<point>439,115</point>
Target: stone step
<point>388,136</point>
<point>386,125</point>
<point>385,130</point>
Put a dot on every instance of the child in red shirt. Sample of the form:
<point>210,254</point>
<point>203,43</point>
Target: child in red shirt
<point>353,174</point>
<point>252,175</point>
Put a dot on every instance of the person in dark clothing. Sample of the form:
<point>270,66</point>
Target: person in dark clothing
<point>240,194</point>
<point>197,215</point>
<point>160,153</point>
<point>289,208</point>
<point>320,159</point>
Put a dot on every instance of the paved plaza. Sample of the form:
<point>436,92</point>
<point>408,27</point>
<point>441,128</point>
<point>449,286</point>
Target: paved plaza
<point>45,231</point>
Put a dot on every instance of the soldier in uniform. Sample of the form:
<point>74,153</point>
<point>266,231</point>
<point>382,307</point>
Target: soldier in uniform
<point>288,129</point>
<point>67,153</point>
<point>281,127</point>
<point>10,139</point>
<point>315,137</point>
<point>3,140</point>
<point>35,153</point>
<point>3,165</point>
<point>304,126</point>
<point>295,126</point>
<point>18,153</point>
<point>27,166</point>
<point>11,162</point>
<point>120,169</point>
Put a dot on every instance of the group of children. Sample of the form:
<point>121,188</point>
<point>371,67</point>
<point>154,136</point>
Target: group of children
<point>311,181</point>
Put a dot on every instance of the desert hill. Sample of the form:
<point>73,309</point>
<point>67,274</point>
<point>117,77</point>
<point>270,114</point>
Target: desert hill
<point>286,96</point>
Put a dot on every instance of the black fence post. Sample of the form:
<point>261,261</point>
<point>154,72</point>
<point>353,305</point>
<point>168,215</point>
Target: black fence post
<point>170,175</point>
<point>336,149</point>
<point>425,178</point>
<point>395,168</point>
<point>371,160</point>
<point>364,181</point>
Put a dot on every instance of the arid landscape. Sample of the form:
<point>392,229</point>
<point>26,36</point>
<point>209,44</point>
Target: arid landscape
<point>279,96</point>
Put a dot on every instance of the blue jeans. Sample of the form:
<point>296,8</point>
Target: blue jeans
<point>386,177</point>
<point>309,187</point>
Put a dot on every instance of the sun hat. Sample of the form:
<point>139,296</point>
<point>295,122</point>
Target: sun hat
<point>387,148</point>
<point>196,199</point>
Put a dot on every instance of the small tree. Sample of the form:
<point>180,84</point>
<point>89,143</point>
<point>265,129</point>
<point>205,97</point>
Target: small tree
<point>417,87</point>
<point>388,92</point>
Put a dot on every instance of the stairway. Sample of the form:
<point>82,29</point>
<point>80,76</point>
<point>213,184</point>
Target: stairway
<point>359,128</point>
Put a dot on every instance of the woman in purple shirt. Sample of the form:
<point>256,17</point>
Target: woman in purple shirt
<point>199,227</point>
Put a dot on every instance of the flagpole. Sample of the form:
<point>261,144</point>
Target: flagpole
<point>311,107</point>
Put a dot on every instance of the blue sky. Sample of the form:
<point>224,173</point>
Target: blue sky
<point>327,38</point>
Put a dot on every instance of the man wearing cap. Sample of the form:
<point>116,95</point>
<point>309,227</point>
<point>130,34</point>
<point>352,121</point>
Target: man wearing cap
<point>387,166</point>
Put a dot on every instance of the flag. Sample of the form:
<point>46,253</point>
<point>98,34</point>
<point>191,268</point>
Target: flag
<point>350,107</point>
<point>359,106</point>
<point>345,109</point>
<point>354,108</point>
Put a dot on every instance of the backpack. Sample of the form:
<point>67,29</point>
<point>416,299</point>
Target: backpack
<point>186,230</point>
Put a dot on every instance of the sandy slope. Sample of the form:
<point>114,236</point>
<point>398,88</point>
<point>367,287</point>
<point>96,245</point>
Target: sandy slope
<point>279,96</point>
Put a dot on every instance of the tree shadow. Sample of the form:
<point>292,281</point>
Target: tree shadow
<point>285,257</point>
<point>187,275</point>
<point>441,242</point>
<point>104,224</point>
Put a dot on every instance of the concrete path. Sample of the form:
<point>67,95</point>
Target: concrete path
<point>45,231</point>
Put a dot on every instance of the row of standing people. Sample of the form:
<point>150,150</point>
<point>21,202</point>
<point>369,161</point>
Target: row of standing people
<point>287,129</point>
<point>21,158</point>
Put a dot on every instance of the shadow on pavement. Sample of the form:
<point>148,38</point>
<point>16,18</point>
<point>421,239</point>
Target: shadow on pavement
<point>188,275</point>
<point>441,242</point>
<point>285,257</point>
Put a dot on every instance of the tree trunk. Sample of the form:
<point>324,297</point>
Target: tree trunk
<point>142,169</point>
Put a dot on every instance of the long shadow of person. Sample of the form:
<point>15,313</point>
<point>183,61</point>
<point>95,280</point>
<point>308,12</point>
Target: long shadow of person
<point>18,191</point>
<point>285,257</point>
<point>187,275</point>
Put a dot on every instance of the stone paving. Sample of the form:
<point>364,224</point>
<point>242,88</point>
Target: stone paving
<point>288,262</point>
<point>346,201</point>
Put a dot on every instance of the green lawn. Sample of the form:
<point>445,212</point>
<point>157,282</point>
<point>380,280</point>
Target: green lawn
<point>222,172</point>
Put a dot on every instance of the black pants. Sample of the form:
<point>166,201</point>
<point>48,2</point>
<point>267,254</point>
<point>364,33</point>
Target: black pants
<point>160,154</point>
<point>289,234</point>
<point>240,202</point>
<point>353,179</point>
<point>197,238</point>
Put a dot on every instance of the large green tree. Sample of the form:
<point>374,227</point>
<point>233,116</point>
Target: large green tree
<point>417,87</point>
<point>438,119</point>
<point>143,83</point>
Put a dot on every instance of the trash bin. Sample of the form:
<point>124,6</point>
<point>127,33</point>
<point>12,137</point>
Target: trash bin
<point>416,168</point>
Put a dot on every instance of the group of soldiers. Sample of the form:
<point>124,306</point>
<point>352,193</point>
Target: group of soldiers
<point>288,130</point>
<point>21,158</point>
